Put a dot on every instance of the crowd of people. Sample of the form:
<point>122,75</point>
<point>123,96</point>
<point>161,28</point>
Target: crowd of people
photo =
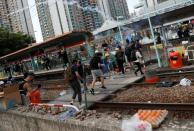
<point>102,63</point>
<point>15,69</point>
<point>106,62</point>
<point>115,60</point>
<point>45,61</point>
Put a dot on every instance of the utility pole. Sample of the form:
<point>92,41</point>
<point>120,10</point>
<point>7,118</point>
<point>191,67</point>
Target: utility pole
<point>152,32</point>
<point>119,27</point>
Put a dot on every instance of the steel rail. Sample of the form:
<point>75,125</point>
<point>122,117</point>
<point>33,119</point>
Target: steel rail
<point>53,88</point>
<point>176,73</point>
<point>139,105</point>
<point>159,71</point>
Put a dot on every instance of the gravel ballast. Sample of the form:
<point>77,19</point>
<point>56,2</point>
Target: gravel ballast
<point>141,93</point>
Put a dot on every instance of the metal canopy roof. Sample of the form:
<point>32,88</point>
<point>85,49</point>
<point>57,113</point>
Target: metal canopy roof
<point>162,19</point>
<point>67,40</point>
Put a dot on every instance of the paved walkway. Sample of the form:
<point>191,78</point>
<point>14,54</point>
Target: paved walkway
<point>118,82</point>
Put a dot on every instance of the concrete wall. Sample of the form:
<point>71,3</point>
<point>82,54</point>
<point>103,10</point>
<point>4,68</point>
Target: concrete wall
<point>16,122</point>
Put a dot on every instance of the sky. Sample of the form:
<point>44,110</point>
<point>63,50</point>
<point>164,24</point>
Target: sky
<point>36,24</point>
<point>131,4</point>
<point>35,21</point>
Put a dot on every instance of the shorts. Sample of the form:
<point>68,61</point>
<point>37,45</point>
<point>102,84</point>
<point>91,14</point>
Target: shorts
<point>96,73</point>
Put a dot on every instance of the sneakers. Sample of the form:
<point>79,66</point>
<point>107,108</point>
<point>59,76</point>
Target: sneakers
<point>92,91</point>
<point>81,106</point>
<point>72,103</point>
<point>103,87</point>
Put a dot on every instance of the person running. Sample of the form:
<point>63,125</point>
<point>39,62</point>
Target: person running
<point>128,51</point>
<point>95,65</point>
<point>120,59</point>
<point>72,76</point>
<point>106,67</point>
<point>137,58</point>
<point>80,70</point>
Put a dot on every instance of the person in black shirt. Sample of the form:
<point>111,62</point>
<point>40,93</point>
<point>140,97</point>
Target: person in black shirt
<point>80,70</point>
<point>17,68</point>
<point>120,59</point>
<point>95,65</point>
<point>7,69</point>
<point>186,32</point>
<point>47,62</point>
<point>74,83</point>
<point>64,56</point>
<point>180,33</point>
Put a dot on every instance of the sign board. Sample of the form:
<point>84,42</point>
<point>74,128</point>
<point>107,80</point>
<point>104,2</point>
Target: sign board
<point>159,46</point>
<point>180,49</point>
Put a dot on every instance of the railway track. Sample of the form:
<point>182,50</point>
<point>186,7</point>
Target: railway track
<point>167,70</point>
<point>176,74</point>
<point>138,105</point>
<point>133,105</point>
<point>104,105</point>
<point>176,77</point>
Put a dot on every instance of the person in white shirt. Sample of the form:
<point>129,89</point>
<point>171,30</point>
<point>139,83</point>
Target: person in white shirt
<point>137,60</point>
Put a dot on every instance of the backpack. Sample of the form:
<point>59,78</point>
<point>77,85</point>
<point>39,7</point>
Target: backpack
<point>165,84</point>
<point>133,55</point>
<point>67,74</point>
<point>21,88</point>
<point>128,52</point>
<point>94,61</point>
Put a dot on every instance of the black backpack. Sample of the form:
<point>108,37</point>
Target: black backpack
<point>94,61</point>
<point>133,55</point>
<point>165,84</point>
<point>21,88</point>
<point>128,52</point>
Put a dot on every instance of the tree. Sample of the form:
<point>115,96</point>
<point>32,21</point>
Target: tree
<point>10,42</point>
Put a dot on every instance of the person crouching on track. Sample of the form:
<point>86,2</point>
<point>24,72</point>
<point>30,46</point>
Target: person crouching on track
<point>95,65</point>
<point>34,95</point>
<point>26,87</point>
<point>72,77</point>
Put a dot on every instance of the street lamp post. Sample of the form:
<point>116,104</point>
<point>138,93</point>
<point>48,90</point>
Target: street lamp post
<point>119,27</point>
<point>153,36</point>
<point>121,34</point>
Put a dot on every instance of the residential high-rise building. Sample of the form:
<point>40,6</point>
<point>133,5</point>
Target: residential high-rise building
<point>118,8</point>
<point>105,8</point>
<point>15,16</point>
<point>19,16</point>
<point>45,19</point>
<point>4,19</point>
<point>59,16</point>
<point>75,16</point>
<point>91,17</point>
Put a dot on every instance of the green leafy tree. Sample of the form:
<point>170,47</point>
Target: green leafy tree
<point>10,42</point>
